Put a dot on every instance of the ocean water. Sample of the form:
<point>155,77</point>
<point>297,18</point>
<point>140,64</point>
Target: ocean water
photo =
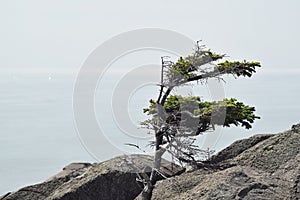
<point>38,135</point>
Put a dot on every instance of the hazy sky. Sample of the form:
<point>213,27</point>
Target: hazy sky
<point>59,35</point>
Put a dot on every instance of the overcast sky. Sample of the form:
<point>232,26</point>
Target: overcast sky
<point>59,35</point>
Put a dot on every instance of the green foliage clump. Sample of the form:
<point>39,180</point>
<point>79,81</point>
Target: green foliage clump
<point>186,66</point>
<point>182,66</point>
<point>224,113</point>
<point>238,113</point>
<point>212,55</point>
<point>152,109</point>
<point>238,68</point>
<point>174,101</point>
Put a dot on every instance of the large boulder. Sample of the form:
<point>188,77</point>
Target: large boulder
<point>113,179</point>
<point>261,167</point>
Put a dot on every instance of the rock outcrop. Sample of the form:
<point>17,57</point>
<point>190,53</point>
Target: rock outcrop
<point>113,179</point>
<point>260,167</point>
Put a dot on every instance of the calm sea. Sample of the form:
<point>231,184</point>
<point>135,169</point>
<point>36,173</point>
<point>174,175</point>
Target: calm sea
<point>38,134</point>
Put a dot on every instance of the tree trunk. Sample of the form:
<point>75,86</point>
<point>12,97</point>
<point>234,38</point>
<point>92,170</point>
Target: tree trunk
<point>147,192</point>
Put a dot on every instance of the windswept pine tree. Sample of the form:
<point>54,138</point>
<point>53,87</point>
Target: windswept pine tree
<point>177,120</point>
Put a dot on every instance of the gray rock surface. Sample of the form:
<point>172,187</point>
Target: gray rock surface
<point>261,167</point>
<point>113,179</point>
